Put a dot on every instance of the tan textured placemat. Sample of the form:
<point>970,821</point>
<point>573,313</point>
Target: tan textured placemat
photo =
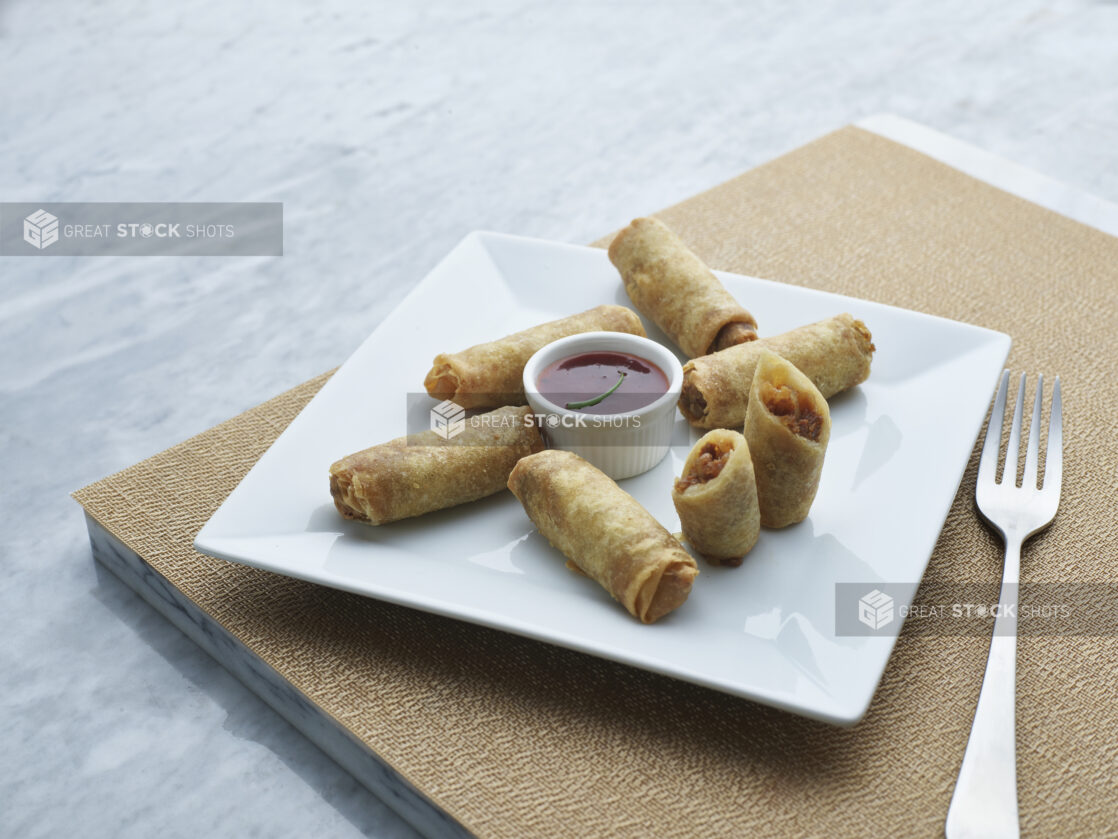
<point>516,738</point>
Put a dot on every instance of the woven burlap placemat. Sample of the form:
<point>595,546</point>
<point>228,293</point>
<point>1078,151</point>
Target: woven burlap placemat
<point>516,738</point>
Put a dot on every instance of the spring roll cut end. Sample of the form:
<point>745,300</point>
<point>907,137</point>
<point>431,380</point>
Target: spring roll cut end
<point>732,334</point>
<point>707,466</point>
<point>794,409</point>
<point>790,398</point>
<point>692,404</point>
<point>787,426</point>
<point>716,498</point>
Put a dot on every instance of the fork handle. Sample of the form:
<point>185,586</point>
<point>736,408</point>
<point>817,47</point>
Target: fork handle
<point>984,803</point>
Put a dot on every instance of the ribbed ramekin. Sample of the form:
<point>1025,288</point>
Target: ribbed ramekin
<point>621,445</point>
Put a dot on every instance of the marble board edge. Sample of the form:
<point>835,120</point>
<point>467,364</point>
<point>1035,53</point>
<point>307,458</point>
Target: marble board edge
<point>307,718</point>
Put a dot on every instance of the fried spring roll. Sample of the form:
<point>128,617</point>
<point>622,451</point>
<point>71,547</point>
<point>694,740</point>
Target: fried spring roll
<point>672,287</point>
<point>604,532</point>
<point>423,472</point>
<point>787,427</point>
<point>834,353</point>
<point>489,375</point>
<point>716,498</point>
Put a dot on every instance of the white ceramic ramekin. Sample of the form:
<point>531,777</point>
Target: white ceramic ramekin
<point>621,445</point>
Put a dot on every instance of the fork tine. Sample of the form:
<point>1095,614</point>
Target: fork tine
<point>1032,450</point>
<point>1010,471</point>
<point>1054,459</point>
<point>988,463</point>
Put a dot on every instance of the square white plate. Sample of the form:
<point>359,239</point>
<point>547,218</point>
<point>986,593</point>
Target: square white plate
<point>899,445</point>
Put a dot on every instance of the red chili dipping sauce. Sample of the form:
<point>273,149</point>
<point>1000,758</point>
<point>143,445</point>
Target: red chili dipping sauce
<point>616,382</point>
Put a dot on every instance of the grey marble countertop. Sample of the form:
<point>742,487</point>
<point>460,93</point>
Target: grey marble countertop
<point>388,133</point>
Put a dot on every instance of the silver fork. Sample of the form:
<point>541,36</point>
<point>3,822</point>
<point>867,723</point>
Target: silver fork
<point>984,803</point>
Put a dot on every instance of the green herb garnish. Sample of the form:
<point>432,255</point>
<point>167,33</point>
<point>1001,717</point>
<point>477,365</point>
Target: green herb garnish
<point>599,398</point>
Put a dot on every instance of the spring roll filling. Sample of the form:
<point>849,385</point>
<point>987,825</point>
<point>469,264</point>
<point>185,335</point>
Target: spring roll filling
<point>732,334</point>
<point>691,400</point>
<point>794,409</point>
<point>706,467</point>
